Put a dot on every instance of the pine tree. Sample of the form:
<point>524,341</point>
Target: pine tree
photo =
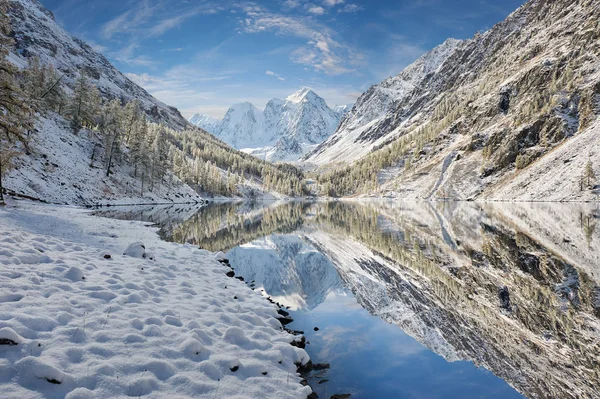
<point>54,96</point>
<point>138,148</point>
<point>16,115</point>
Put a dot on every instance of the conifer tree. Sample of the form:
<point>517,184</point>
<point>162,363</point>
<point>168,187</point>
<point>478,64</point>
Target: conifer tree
<point>111,129</point>
<point>588,174</point>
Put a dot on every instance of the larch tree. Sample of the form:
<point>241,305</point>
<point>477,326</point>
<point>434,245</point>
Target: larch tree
<point>16,116</point>
<point>111,129</point>
<point>85,104</point>
<point>588,174</point>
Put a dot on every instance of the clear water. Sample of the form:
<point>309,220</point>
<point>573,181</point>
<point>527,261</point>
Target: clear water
<point>409,298</point>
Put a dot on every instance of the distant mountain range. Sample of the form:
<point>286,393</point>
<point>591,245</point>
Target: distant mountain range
<point>284,131</point>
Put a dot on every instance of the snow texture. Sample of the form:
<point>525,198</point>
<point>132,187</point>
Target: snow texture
<point>91,327</point>
<point>58,171</point>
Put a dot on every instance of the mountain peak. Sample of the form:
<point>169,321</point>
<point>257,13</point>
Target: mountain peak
<point>304,93</point>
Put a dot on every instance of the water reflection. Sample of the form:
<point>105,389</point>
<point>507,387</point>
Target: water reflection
<point>509,288</point>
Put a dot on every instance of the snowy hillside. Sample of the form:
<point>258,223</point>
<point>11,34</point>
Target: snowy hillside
<point>59,171</point>
<point>363,126</point>
<point>284,131</point>
<point>205,122</point>
<point>36,33</point>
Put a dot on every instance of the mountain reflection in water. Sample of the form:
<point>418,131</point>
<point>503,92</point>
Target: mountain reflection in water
<point>511,288</point>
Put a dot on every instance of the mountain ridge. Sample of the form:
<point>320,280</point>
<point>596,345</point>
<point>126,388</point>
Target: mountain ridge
<point>283,131</point>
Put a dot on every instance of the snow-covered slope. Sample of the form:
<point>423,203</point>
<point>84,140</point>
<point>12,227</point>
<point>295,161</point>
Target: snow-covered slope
<point>36,33</point>
<point>358,130</point>
<point>243,126</point>
<point>285,130</point>
<point>58,171</point>
<point>205,122</point>
<point>89,319</point>
<point>485,111</point>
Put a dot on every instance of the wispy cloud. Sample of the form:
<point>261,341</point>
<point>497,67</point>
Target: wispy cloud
<point>322,50</point>
<point>271,73</point>
<point>350,8</point>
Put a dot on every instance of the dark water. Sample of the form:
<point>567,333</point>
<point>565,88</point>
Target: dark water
<point>421,300</point>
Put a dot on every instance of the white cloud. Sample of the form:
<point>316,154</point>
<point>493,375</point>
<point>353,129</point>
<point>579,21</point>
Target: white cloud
<point>331,3</point>
<point>316,10</point>
<point>323,52</point>
<point>271,73</point>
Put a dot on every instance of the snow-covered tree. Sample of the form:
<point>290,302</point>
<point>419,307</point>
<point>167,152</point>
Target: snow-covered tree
<point>85,103</point>
<point>160,157</point>
<point>110,127</point>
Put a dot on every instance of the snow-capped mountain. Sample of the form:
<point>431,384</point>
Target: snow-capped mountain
<point>360,125</point>
<point>205,122</point>
<point>284,130</point>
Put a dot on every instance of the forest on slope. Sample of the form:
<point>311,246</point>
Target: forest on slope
<point>118,143</point>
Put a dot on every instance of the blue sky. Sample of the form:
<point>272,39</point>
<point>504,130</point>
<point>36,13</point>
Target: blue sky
<point>205,55</point>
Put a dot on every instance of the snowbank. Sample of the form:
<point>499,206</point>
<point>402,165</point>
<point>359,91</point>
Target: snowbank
<point>90,322</point>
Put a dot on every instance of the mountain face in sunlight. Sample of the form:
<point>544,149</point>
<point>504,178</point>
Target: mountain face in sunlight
<point>284,131</point>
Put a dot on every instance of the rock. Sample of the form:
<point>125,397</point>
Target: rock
<point>340,396</point>
<point>323,381</point>
<point>285,320</point>
<point>7,341</point>
<point>316,329</point>
<point>107,256</point>
<point>235,368</point>
<point>230,273</point>
<point>504,296</point>
<point>283,312</point>
<point>299,343</point>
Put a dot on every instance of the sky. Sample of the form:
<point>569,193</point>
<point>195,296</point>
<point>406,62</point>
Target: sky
<point>203,56</point>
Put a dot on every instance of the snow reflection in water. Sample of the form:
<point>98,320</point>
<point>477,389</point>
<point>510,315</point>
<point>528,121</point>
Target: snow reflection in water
<point>406,295</point>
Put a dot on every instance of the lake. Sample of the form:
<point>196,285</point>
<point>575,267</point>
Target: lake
<point>420,299</point>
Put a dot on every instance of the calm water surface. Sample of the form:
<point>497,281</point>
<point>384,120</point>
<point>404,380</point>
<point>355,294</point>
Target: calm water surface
<point>421,300</point>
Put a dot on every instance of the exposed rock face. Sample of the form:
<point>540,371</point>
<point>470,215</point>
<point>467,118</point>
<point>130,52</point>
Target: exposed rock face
<point>36,33</point>
<point>503,99</point>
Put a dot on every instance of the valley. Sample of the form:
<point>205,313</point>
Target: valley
<point>299,199</point>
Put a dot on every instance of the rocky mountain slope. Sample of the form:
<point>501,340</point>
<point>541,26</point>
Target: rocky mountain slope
<point>284,131</point>
<point>64,167</point>
<point>36,33</point>
<point>364,125</point>
<point>486,115</point>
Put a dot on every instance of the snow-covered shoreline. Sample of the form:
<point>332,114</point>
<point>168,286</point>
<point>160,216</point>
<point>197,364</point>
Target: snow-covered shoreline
<point>92,327</point>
